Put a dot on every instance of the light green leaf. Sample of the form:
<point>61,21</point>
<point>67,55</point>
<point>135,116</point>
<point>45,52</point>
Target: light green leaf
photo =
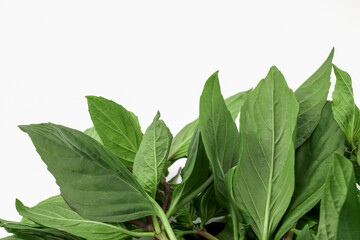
<point>345,111</point>
<point>312,161</point>
<point>83,169</point>
<point>118,128</point>
<point>264,179</point>
<point>55,213</point>
<point>180,144</point>
<point>312,96</point>
<point>219,134</point>
<point>92,133</point>
<point>235,102</point>
<point>195,175</point>
<point>149,163</point>
<point>340,209</point>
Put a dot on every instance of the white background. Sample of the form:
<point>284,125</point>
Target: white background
<point>148,56</point>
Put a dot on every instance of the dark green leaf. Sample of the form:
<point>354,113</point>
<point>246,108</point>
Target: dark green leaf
<point>55,213</point>
<point>312,162</point>
<point>118,128</point>
<point>186,215</point>
<point>340,209</point>
<point>345,111</point>
<point>305,234</point>
<point>312,96</point>
<point>180,144</point>
<point>91,179</point>
<point>219,134</point>
<point>195,174</point>
<point>149,163</point>
<point>208,208</point>
<point>264,179</point>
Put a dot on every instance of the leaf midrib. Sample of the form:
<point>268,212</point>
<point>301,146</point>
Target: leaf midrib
<point>268,197</point>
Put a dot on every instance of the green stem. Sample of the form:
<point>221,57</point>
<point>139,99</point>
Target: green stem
<point>156,224</point>
<point>203,233</point>
<point>165,222</point>
<point>138,234</point>
<point>161,236</point>
<point>193,194</point>
<point>235,223</point>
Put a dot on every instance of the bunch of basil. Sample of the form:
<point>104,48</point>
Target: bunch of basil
<point>290,172</point>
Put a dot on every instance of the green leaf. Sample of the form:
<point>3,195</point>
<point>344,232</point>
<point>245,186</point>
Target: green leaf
<point>35,230</point>
<point>92,133</point>
<point>219,134</point>
<point>264,179</point>
<point>118,128</point>
<point>149,163</point>
<point>29,237</point>
<point>340,209</point>
<point>195,175</point>
<point>55,213</point>
<point>186,215</point>
<point>312,161</point>
<point>208,208</point>
<point>345,111</point>
<point>305,234</point>
<point>312,96</point>
<point>83,169</point>
<point>235,102</point>
<point>180,144</point>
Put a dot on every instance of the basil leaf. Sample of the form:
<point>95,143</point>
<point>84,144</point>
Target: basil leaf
<point>83,169</point>
<point>345,111</point>
<point>149,163</point>
<point>180,144</point>
<point>340,209</point>
<point>312,163</point>
<point>207,207</point>
<point>219,134</point>
<point>55,213</point>
<point>118,128</point>
<point>312,96</point>
<point>92,133</point>
<point>305,234</point>
<point>195,175</point>
<point>29,237</point>
<point>35,230</point>
<point>264,179</point>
